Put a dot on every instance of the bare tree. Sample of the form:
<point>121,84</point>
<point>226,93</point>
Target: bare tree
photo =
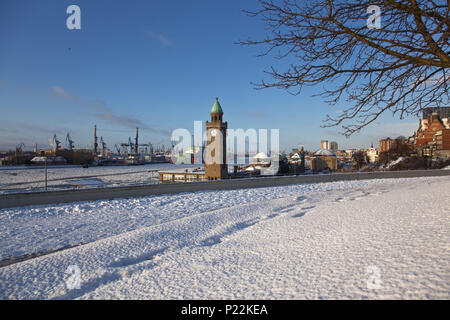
<point>403,66</point>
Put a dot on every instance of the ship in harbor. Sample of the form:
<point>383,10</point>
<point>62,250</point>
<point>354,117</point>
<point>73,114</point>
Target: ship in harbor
<point>129,153</point>
<point>123,154</point>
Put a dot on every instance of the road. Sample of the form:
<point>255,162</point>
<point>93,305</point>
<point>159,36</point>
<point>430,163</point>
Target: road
<point>54,197</point>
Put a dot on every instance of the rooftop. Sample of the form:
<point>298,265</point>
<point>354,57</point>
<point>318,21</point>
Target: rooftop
<point>324,152</point>
<point>216,107</point>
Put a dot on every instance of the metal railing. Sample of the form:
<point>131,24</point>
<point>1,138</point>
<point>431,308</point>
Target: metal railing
<point>72,184</point>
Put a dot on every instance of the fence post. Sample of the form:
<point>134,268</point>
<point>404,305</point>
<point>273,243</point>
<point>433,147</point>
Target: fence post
<point>45,173</point>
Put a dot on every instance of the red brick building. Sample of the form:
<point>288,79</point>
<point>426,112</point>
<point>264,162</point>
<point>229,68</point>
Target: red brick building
<point>433,134</point>
<point>386,145</point>
<point>427,129</point>
<point>442,139</point>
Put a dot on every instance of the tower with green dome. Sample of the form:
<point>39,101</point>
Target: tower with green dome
<point>216,156</point>
<point>216,107</point>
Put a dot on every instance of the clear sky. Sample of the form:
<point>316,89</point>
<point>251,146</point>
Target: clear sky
<point>157,65</point>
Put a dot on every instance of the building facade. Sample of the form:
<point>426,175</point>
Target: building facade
<point>333,146</point>
<point>324,159</point>
<point>372,154</point>
<point>442,139</point>
<point>428,129</point>
<point>324,144</point>
<point>386,144</point>
<point>433,136</point>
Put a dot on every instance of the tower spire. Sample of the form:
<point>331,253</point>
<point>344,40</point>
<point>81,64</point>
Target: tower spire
<point>216,108</point>
<point>216,157</point>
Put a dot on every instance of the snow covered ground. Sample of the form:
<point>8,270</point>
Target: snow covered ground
<point>22,179</point>
<point>370,239</point>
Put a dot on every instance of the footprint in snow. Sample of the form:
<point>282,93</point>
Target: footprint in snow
<point>286,209</point>
<point>298,215</point>
<point>223,236</point>
<point>128,261</point>
<point>301,198</point>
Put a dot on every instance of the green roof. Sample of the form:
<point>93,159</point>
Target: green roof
<point>216,107</point>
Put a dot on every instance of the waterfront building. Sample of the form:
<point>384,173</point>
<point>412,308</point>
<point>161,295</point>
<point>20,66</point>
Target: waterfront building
<point>216,157</point>
<point>324,159</point>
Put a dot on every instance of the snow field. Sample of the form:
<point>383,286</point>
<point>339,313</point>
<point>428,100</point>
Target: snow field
<point>316,241</point>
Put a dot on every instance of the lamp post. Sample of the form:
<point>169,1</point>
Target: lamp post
<point>46,173</point>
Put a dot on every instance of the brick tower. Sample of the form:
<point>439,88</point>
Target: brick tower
<point>216,145</point>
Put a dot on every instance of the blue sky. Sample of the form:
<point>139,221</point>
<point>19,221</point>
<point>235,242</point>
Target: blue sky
<point>154,64</point>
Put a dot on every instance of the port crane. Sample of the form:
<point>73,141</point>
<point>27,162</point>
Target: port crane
<point>117,149</point>
<point>19,148</point>
<point>127,145</point>
<point>103,143</point>
<point>69,141</point>
<point>56,142</point>
<point>130,147</point>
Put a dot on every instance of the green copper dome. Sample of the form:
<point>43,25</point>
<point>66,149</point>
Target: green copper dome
<point>216,107</point>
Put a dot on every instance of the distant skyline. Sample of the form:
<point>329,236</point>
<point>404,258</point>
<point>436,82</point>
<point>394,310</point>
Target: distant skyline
<point>153,65</point>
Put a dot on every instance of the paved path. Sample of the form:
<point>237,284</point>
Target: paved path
<point>53,197</point>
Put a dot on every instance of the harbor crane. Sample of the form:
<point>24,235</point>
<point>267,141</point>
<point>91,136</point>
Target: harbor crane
<point>20,147</point>
<point>136,145</point>
<point>117,148</point>
<point>69,141</point>
<point>19,153</point>
<point>126,145</point>
<point>130,143</point>
<point>56,142</point>
<point>95,140</point>
<point>103,143</point>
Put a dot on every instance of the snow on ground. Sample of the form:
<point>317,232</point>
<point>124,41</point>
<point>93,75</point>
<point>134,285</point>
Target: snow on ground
<point>315,241</point>
<point>41,228</point>
<point>12,179</point>
<point>394,162</point>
